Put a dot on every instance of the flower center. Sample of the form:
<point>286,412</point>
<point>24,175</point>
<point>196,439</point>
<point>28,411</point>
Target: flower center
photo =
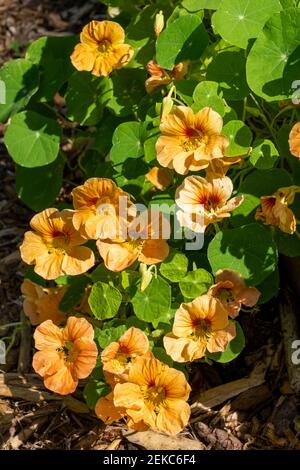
<point>225,295</point>
<point>154,396</point>
<point>59,242</point>
<point>69,351</point>
<point>194,139</point>
<point>104,46</point>
<point>210,201</point>
<point>120,362</point>
<point>202,328</point>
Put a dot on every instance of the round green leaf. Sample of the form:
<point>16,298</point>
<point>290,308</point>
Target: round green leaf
<point>265,182</point>
<point>128,140</point>
<point>264,154</point>
<point>184,39</point>
<point>96,387</point>
<point>20,80</point>
<point>269,287</point>
<point>195,283</point>
<point>52,55</point>
<point>93,93</point>
<point>196,5</point>
<point>229,70</point>
<point>206,94</point>
<point>175,266</point>
<point>234,348</point>
<point>273,62</point>
<point>38,187</point>
<point>288,245</point>
<point>244,214</point>
<point>240,137</point>
<point>185,89</point>
<point>32,140</point>
<point>128,91</point>
<point>153,304</point>
<point>250,250</point>
<point>237,21</point>
<point>104,300</point>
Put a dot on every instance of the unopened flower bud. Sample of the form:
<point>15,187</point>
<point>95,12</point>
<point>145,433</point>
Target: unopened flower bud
<point>159,23</point>
<point>167,105</point>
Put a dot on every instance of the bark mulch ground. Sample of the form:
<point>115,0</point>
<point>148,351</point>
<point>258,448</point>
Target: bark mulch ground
<point>247,404</point>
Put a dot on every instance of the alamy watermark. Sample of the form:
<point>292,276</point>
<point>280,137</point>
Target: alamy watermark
<point>296,93</point>
<point>2,92</point>
<point>2,352</point>
<point>141,223</point>
<point>296,354</point>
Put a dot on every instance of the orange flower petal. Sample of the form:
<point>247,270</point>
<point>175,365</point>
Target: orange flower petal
<point>46,363</point>
<point>83,58</point>
<point>154,251</point>
<point>48,336</point>
<point>32,247</point>
<point>173,417</point>
<point>62,381</point>
<point>117,256</point>
<point>77,328</point>
<point>78,260</point>
<point>86,358</point>
<point>220,339</point>
<point>49,266</point>
<point>107,411</point>
<point>294,140</point>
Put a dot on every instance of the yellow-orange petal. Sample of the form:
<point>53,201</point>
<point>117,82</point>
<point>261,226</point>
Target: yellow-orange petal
<point>62,382</point>
<point>83,58</point>
<point>160,177</point>
<point>173,416</point>
<point>220,339</point>
<point>183,349</point>
<point>294,140</point>
<point>134,342</point>
<point>78,260</point>
<point>117,256</point>
<point>107,411</point>
<point>32,247</point>
<point>49,266</point>
<point>86,358</point>
<point>48,336</point>
<point>77,328</point>
<point>46,363</point>
<point>154,251</point>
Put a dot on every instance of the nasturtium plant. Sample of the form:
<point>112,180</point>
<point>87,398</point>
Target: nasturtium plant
<point>160,151</point>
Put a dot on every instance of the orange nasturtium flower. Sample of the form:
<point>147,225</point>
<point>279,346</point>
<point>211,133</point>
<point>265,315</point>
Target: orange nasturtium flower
<point>274,209</point>
<point>294,140</point>
<point>145,245</point>
<point>231,290</point>
<point>160,76</point>
<point>64,355</point>
<point>117,357</point>
<point>218,168</point>
<point>161,178</point>
<point>197,196</point>
<point>101,48</point>
<point>189,141</point>
<point>199,325</point>
<point>41,303</point>
<point>101,208</point>
<point>154,396</point>
<point>53,245</point>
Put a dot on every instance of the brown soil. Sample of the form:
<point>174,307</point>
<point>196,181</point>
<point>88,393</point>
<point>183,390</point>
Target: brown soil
<point>265,414</point>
